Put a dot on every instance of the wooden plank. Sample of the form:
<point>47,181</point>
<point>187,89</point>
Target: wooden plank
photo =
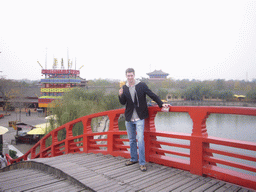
<point>48,187</point>
<point>83,174</point>
<point>206,185</point>
<point>85,179</point>
<point>76,170</point>
<point>108,164</point>
<point>22,187</point>
<point>113,188</point>
<point>67,188</point>
<point>218,185</point>
<point>89,180</point>
<point>234,188</point>
<point>24,180</point>
<point>150,174</point>
<point>245,190</point>
<point>54,186</point>
<point>102,166</point>
<point>153,180</point>
<point>198,184</point>
<point>95,164</point>
<point>10,173</point>
<point>172,182</point>
<point>13,174</point>
<point>110,168</point>
<point>224,187</point>
<point>188,184</point>
<point>96,183</point>
<point>103,185</point>
<point>139,175</point>
<point>120,171</point>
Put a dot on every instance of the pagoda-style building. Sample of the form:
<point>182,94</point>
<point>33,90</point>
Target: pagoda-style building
<point>157,75</point>
<point>56,83</point>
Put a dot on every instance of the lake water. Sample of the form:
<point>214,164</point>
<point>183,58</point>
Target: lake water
<point>238,127</point>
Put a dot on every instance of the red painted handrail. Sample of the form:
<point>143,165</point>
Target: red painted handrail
<point>199,159</point>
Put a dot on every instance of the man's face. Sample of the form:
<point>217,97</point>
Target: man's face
<point>130,77</point>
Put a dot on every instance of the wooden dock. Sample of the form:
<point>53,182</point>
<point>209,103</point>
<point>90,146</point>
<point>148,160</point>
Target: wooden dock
<point>97,172</point>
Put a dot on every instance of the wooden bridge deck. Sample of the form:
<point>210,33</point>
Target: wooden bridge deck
<point>97,172</point>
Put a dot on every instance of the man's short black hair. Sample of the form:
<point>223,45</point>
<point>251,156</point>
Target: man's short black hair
<point>130,70</point>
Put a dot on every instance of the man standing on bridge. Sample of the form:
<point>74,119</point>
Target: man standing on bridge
<point>133,95</point>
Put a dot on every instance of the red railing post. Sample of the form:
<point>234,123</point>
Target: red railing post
<point>42,147</point>
<point>87,130</point>
<point>198,116</point>
<point>33,153</point>
<point>69,134</point>
<point>54,134</point>
<point>149,127</point>
<point>113,128</point>
<point>110,142</point>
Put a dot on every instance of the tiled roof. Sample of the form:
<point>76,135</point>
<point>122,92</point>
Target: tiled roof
<point>158,72</point>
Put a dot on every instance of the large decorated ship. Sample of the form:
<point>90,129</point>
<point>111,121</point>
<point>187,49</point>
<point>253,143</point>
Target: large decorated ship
<point>57,82</point>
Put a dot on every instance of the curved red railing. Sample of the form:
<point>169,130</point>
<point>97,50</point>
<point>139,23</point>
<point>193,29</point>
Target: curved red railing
<point>199,158</point>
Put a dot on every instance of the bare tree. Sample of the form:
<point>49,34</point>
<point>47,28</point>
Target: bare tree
<point>19,101</point>
<point>7,91</point>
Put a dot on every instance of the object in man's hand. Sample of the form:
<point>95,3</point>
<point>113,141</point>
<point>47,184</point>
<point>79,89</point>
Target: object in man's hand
<point>122,83</point>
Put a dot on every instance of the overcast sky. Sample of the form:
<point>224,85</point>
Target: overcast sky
<point>189,39</point>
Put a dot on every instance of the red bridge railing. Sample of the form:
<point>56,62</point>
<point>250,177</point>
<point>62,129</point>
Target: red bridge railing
<point>201,158</point>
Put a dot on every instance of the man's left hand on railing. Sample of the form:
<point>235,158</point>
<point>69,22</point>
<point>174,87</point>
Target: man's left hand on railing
<point>165,107</point>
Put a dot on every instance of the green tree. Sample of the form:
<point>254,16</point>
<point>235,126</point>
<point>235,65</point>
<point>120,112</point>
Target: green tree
<point>100,82</point>
<point>168,83</point>
<point>183,84</point>
<point>194,93</point>
<point>220,84</point>
<point>225,95</point>
<point>78,103</point>
<point>112,102</point>
<point>251,95</point>
<point>162,93</point>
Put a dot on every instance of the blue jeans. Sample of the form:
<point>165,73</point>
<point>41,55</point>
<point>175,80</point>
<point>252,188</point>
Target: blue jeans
<point>131,127</point>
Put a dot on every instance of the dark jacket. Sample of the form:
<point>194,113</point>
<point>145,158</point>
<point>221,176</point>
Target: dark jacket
<point>140,102</point>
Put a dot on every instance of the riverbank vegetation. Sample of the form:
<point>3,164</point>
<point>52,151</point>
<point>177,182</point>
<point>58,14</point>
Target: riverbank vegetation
<point>192,89</point>
<point>199,90</point>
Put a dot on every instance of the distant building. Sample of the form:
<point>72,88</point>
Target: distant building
<point>28,97</point>
<point>56,83</point>
<point>157,75</point>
